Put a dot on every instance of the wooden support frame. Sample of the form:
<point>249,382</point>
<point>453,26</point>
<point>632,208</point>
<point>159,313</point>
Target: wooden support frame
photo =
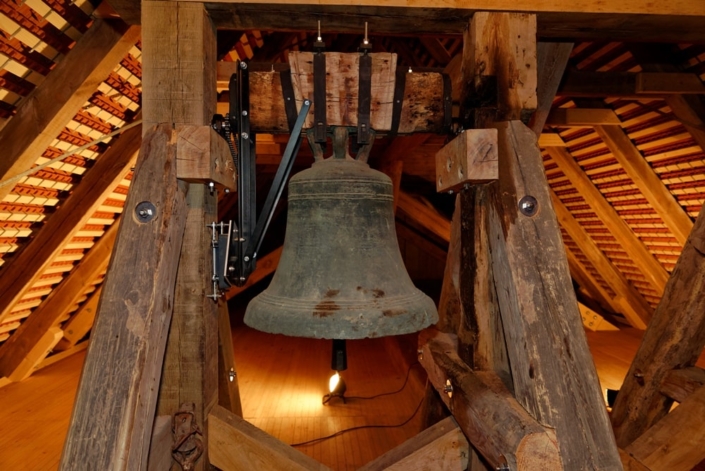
<point>469,158</point>
<point>203,156</point>
<point>674,339</point>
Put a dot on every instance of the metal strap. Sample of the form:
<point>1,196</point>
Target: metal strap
<point>447,103</point>
<point>289,98</point>
<point>399,87</point>
<point>319,97</point>
<point>364,99</point>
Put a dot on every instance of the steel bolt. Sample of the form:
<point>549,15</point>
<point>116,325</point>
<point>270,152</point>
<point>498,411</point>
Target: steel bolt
<point>245,135</point>
<point>528,206</point>
<point>247,259</point>
<point>244,112</point>
<point>231,375</point>
<point>448,388</point>
<point>243,65</point>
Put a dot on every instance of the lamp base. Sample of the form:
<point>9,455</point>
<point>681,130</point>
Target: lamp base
<point>330,396</point>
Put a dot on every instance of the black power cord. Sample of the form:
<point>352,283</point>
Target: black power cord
<point>360,427</point>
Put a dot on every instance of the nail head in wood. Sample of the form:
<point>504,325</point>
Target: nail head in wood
<point>469,158</point>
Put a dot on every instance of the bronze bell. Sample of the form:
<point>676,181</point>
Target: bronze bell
<point>341,275</point>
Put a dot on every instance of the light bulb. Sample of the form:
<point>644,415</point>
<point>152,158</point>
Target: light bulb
<point>333,382</point>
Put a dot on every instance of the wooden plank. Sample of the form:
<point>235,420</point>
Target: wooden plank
<point>421,111</point>
<point>646,179</point>
<point>555,19</point>
<point>676,442</point>
<point>424,215</point>
<point>642,257</point>
<point>551,139</point>
<point>627,84</point>
<point>236,445</point>
<point>36,354</point>
<point>551,60</point>
<point>630,463</point>
<point>674,339</point>
<point>55,101</point>
<point>681,383</point>
<point>441,446</point>
<point>80,322</point>
<point>594,321</point>
<point>582,117</point>
<point>129,335</point>
<point>265,267</point>
<point>505,72</point>
<point>469,158</point>
<point>228,386</point>
<point>634,307</point>
<point>57,304</point>
<point>203,156</point>
<point>96,184</point>
<point>545,338</point>
<point>494,422</point>
<point>162,439</point>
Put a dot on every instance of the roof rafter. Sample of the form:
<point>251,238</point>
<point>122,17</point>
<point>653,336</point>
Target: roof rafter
<point>43,115</point>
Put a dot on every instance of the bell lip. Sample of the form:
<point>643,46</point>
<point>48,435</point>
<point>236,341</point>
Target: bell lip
<point>344,323</point>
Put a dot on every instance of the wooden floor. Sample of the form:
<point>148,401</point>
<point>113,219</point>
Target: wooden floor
<point>282,380</point>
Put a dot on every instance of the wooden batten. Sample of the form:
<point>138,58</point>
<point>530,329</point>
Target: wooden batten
<point>203,156</point>
<point>469,158</point>
<point>441,447</point>
<point>236,445</point>
<point>494,422</point>
<point>422,109</point>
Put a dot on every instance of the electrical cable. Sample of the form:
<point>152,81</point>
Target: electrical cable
<point>360,427</point>
<point>408,373</point>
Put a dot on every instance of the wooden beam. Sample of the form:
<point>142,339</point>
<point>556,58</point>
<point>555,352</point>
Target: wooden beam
<point>441,446</point>
<point>681,383</point>
<point>236,445</point>
<point>80,322</point>
<point>436,49</point>
<point>97,183</point>
<point>676,442</point>
<point>406,233</point>
<point>425,215</point>
<point>420,113</point>
<point>469,158</point>
<point>634,307</point>
<point>179,70</point>
<point>265,267</point>
<point>112,420</point>
<point>642,257</point>
<point>545,338</point>
<point>551,139</point>
<point>203,156</point>
<point>582,117</point>
<point>36,354</point>
<point>674,339</point>
<point>41,117</point>
<point>627,84</point>
<point>593,321</point>
<point>57,304</point>
<point>551,61</point>
<point>692,118</point>
<point>633,20</point>
<point>494,422</point>
<point>648,182</point>
<point>228,384</point>
<point>590,284</point>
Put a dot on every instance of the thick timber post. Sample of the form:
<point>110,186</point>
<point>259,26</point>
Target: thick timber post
<point>550,368</point>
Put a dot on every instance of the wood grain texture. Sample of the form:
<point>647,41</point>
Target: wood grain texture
<point>236,445</point>
<point>424,215</point>
<point>674,339</point>
<point>441,446</point>
<point>34,356</point>
<point>551,60</point>
<point>635,308</point>
<point>228,381</point>
<point>130,332</point>
<point>582,117</point>
<point>646,179</point>
<point>203,156</point>
<point>45,113</point>
<point>494,422</point>
<point>470,158</point>
<point>80,322</point>
<point>554,377</point>
<point>681,383</point>
<point>642,257</point>
<point>676,442</point>
<point>97,183</point>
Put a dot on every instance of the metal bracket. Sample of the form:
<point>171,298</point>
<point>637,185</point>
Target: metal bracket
<point>188,443</point>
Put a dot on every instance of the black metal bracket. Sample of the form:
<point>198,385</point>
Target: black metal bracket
<point>236,245</point>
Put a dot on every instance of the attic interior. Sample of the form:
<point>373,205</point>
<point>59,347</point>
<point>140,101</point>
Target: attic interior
<point>618,115</point>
